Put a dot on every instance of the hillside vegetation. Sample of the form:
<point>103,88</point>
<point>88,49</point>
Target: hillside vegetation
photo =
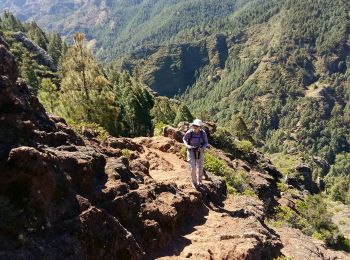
<point>122,25</point>
<point>287,74</point>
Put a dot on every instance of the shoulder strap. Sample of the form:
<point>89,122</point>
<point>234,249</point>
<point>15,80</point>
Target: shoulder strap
<point>191,135</point>
<point>202,136</point>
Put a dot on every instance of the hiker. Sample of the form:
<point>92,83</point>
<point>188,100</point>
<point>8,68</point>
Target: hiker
<point>196,141</point>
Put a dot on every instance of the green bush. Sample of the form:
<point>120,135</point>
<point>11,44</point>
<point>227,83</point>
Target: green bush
<point>338,181</point>
<point>237,182</point>
<point>285,163</point>
<point>283,258</point>
<point>98,131</point>
<point>313,219</point>
<point>126,153</point>
<point>245,147</point>
<point>158,128</point>
<point>216,165</point>
<point>184,152</point>
<point>224,140</point>
<point>282,186</point>
<point>231,190</point>
<point>343,243</point>
<point>286,217</point>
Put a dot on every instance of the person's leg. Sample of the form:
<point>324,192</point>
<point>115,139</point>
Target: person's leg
<point>192,163</point>
<point>200,163</point>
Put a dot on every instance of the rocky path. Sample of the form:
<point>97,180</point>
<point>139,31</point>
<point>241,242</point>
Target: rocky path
<point>232,230</point>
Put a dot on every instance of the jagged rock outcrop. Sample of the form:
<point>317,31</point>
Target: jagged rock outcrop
<point>41,56</point>
<point>302,179</point>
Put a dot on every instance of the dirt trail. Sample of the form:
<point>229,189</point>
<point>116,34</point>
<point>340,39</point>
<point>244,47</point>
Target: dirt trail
<point>228,231</point>
<point>235,229</point>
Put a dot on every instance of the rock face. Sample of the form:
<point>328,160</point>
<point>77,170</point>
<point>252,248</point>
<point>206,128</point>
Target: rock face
<point>170,70</point>
<point>302,179</point>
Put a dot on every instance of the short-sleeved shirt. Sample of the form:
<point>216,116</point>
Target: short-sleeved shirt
<point>197,139</point>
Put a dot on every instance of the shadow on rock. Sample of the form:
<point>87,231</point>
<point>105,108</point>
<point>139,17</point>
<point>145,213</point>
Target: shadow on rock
<point>179,242</point>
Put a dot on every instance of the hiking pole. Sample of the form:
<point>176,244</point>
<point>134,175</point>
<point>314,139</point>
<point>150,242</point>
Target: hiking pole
<point>196,157</point>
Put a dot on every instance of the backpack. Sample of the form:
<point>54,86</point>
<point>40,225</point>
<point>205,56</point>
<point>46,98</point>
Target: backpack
<point>201,137</point>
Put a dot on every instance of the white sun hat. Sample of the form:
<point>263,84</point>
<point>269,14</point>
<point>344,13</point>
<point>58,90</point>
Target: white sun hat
<point>197,122</point>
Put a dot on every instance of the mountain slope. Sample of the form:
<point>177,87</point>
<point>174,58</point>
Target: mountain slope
<point>285,70</point>
<point>286,74</point>
<point>122,25</point>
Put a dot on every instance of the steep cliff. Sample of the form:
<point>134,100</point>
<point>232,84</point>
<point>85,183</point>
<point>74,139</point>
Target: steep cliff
<point>169,70</point>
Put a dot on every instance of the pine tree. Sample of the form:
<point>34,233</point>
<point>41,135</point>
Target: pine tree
<point>163,111</point>
<point>11,23</point>
<point>85,91</point>
<point>48,95</point>
<point>55,47</point>
<point>37,35</point>
<point>239,128</point>
<point>135,103</point>
<point>28,73</point>
<point>183,114</point>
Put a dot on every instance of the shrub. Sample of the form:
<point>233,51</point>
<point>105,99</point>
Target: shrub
<point>126,153</point>
<point>282,186</point>
<point>237,182</point>
<point>215,165</point>
<point>313,219</point>
<point>224,140</point>
<point>285,163</point>
<point>98,131</point>
<point>245,147</point>
<point>184,152</point>
<point>283,258</point>
<point>158,128</point>
<point>343,243</point>
<point>286,217</point>
<point>230,189</point>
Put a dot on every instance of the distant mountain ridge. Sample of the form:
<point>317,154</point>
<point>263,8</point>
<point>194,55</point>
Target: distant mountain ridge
<point>118,26</point>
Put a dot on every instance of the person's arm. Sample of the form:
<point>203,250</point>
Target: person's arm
<point>185,138</point>
<point>205,140</point>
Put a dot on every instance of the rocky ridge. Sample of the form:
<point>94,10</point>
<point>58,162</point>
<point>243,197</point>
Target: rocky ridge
<point>65,196</point>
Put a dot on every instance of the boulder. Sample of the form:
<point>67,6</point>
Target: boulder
<point>173,133</point>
